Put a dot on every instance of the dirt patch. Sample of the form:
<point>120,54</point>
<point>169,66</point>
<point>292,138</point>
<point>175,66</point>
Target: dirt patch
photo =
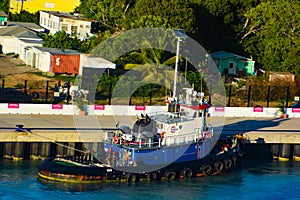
<point>15,72</point>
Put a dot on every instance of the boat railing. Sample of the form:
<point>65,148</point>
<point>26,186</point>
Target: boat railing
<point>171,118</point>
<point>182,139</point>
<point>142,143</point>
<point>86,158</point>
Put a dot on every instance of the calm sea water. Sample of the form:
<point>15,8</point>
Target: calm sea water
<point>275,180</point>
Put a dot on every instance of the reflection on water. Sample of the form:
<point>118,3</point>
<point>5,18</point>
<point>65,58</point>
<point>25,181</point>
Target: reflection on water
<point>284,168</point>
<point>72,187</point>
<point>275,180</point>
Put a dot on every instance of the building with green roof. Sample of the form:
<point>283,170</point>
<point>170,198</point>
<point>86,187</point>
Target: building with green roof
<point>3,18</point>
<point>233,64</point>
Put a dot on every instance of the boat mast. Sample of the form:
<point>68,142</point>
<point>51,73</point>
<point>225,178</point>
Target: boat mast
<point>176,67</point>
<point>179,33</point>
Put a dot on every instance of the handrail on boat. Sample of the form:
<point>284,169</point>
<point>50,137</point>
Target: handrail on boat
<point>167,141</point>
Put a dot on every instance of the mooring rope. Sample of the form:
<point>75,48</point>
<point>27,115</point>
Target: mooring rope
<point>55,142</point>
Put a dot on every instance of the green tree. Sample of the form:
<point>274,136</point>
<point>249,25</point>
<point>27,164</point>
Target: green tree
<point>177,13</point>
<point>219,23</point>
<point>150,21</point>
<point>25,16</point>
<point>60,40</point>
<point>272,35</point>
<point>4,5</point>
<point>110,13</point>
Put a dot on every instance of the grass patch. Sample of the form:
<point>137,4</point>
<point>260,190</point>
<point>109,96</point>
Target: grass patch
<point>63,78</point>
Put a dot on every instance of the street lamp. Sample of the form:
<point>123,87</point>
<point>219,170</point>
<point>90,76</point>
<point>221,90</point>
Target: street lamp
<point>179,34</point>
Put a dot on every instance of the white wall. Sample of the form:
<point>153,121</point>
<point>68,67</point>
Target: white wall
<point>244,112</point>
<point>83,28</point>
<point>293,112</point>
<point>54,24</point>
<point>9,44</point>
<point>22,48</point>
<point>119,110</point>
<point>49,22</point>
<point>89,61</point>
<point>42,59</point>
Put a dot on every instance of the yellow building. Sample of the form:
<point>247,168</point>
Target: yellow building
<point>34,6</point>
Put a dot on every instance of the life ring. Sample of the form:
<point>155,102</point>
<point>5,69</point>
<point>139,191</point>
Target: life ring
<point>34,95</point>
<point>170,175</point>
<point>227,164</point>
<point>205,169</point>
<point>187,173</point>
<point>218,166</point>
<point>116,139</point>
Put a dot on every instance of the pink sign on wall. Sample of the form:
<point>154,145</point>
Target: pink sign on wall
<point>57,106</point>
<point>99,107</point>
<point>258,109</point>
<point>219,109</point>
<point>140,107</point>
<point>296,110</point>
<point>13,105</point>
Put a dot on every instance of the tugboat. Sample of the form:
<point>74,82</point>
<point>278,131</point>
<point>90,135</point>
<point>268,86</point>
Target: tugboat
<point>178,144</point>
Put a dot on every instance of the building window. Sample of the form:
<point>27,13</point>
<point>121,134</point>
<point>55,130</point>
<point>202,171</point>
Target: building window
<point>81,26</point>
<point>73,31</point>
<point>64,27</point>
<point>87,26</point>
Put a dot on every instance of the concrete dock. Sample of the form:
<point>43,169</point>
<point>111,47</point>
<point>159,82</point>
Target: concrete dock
<point>65,128</point>
<point>58,135</point>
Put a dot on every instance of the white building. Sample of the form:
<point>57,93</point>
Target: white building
<point>64,61</point>
<point>52,59</point>
<point>74,25</point>
<point>28,25</point>
<point>25,44</point>
<point>14,39</point>
<point>94,63</point>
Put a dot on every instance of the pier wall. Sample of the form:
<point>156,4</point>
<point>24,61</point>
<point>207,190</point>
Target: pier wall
<point>280,152</point>
<point>115,110</point>
<point>42,150</point>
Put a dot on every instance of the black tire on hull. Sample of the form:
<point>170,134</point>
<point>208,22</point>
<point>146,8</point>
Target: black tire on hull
<point>218,166</point>
<point>170,175</point>
<point>187,173</point>
<point>205,169</point>
<point>132,178</point>
<point>153,176</point>
<point>234,160</point>
<point>227,164</point>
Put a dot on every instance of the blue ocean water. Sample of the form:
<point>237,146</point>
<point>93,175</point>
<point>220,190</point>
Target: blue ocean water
<point>274,180</point>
